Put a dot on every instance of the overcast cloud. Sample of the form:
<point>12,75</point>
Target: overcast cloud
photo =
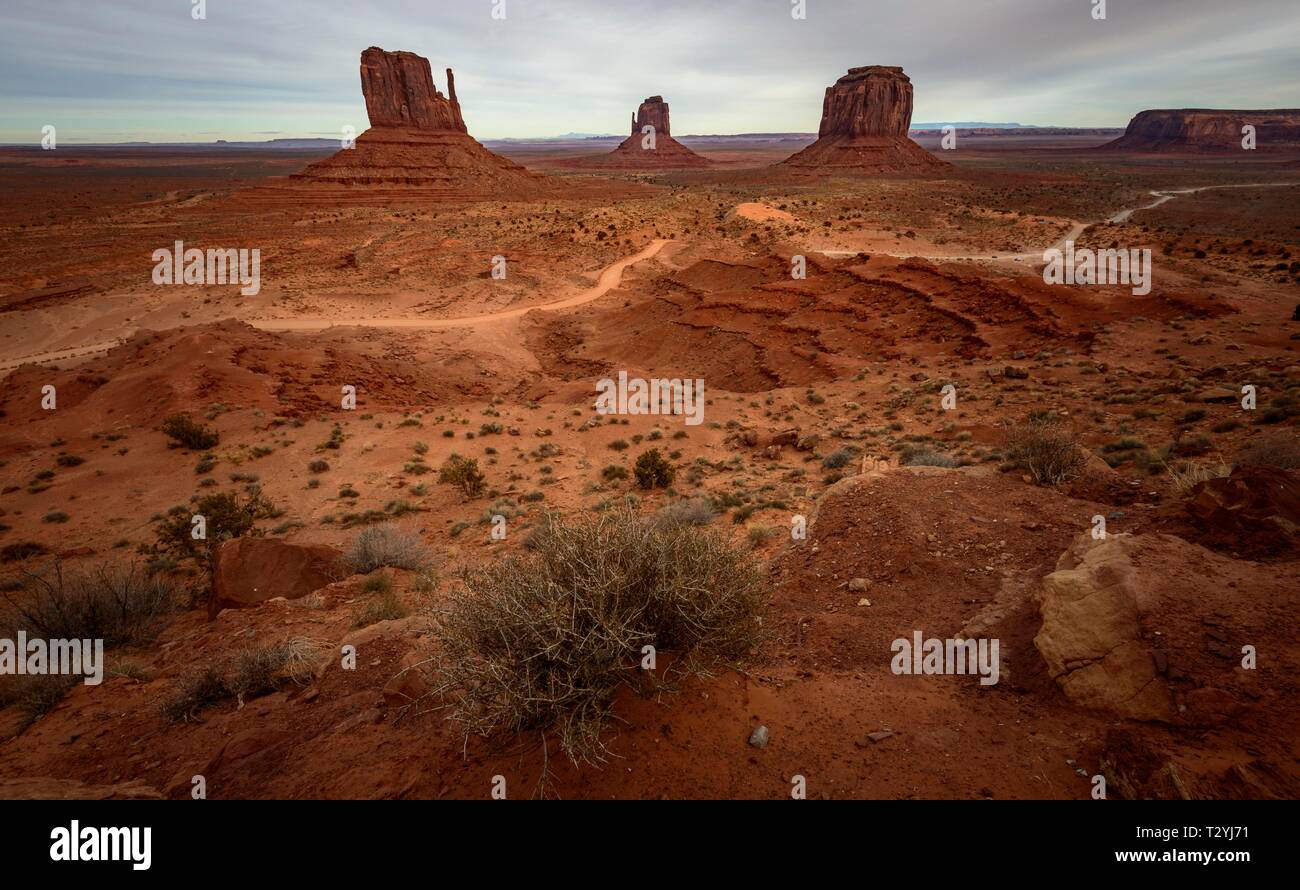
<point>119,70</point>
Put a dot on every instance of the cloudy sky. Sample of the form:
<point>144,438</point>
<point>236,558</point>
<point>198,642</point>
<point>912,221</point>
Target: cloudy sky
<point>120,70</point>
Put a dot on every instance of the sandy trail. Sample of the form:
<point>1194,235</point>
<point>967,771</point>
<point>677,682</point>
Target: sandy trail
<point>609,279</point>
<point>1162,196</point>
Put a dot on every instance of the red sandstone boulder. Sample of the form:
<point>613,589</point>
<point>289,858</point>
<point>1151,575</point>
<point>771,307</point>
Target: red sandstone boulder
<point>250,571</point>
<point>1253,501</point>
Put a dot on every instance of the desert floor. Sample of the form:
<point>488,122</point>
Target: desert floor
<point>912,284</point>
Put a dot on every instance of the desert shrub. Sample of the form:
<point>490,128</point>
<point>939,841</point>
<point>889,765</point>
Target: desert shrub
<point>546,639</point>
<point>319,466</point>
<point>35,695</point>
<point>464,474</point>
<point>921,456</point>
<point>250,673</point>
<point>1044,448</point>
<point>186,432</point>
<point>1281,451</point>
<point>653,471</point>
<point>385,607</point>
<point>614,473</point>
<point>837,459</point>
<point>380,583</point>
<point>226,516</point>
<point>690,511</point>
<point>21,551</point>
<point>388,545</point>
<point>118,604</point>
<point>1186,475</point>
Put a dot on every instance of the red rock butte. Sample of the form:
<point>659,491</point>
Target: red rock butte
<point>1205,130</point>
<point>638,152</point>
<point>865,119</point>
<point>417,144</point>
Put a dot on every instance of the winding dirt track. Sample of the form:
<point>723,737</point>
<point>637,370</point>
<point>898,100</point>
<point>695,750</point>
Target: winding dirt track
<point>612,276</point>
<point>1078,229</point>
<point>609,279</point>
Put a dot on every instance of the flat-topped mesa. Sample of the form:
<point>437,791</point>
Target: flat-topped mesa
<point>399,91</point>
<point>1209,130</point>
<point>875,100</point>
<point>652,113</point>
<point>865,120</point>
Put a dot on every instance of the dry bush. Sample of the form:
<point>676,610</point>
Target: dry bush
<point>545,640</point>
<point>1186,475</point>
<point>688,511</point>
<point>1281,450</point>
<point>1045,448</point>
<point>921,456</point>
<point>250,673</point>
<point>35,695</point>
<point>189,433</point>
<point>653,471</point>
<point>119,604</point>
<point>464,474</point>
<point>388,545</point>
<point>385,607</point>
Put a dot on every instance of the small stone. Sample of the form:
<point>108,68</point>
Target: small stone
<point>858,584</point>
<point>879,735</point>
<point>758,738</point>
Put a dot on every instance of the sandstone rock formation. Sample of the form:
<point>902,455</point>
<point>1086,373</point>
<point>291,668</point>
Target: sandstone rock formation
<point>1204,130</point>
<point>1253,510</point>
<point>417,144</point>
<point>250,571</point>
<point>865,119</point>
<point>652,113</point>
<point>399,91</point>
<point>1151,627</point>
<point>657,150</point>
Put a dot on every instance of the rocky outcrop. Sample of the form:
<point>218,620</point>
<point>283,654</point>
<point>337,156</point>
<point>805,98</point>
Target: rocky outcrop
<point>1152,627</point>
<point>872,101</point>
<point>653,150</point>
<point>865,120</point>
<point>250,571</point>
<point>399,92</point>
<point>1255,510</point>
<point>652,113</point>
<point>1204,130</point>
<point>417,145</point>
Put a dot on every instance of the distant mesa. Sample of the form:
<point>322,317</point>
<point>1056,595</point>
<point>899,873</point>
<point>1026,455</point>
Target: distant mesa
<point>1204,130</point>
<point>865,120</point>
<point>417,140</point>
<point>655,149</point>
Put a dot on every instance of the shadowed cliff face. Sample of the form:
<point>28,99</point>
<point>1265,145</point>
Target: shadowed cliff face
<point>1213,130</point>
<point>871,101</point>
<point>399,92</point>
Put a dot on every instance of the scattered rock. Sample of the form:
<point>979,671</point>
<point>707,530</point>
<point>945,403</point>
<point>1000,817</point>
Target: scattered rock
<point>758,738</point>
